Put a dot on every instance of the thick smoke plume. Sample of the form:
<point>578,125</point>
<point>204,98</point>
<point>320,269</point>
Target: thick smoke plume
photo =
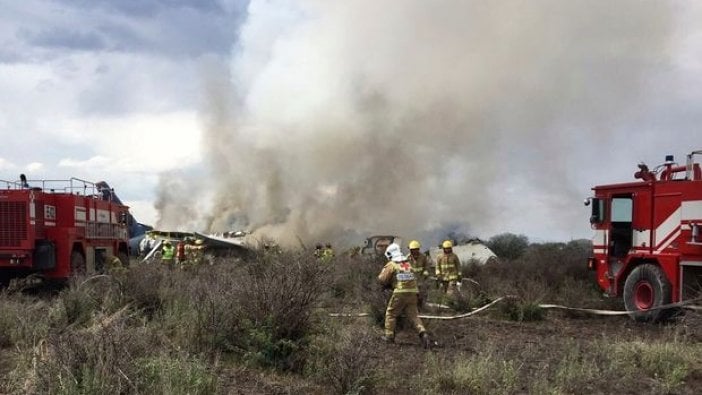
<point>341,118</point>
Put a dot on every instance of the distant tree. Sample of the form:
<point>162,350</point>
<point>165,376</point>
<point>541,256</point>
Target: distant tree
<point>508,245</point>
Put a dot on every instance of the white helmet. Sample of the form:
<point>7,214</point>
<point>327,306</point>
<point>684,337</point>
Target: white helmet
<point>394,253</point>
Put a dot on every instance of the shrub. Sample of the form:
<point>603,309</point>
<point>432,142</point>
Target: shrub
<point>94,360</point>
<point>342,359</point>
<point>143,286</point>
<point>86,297</point>
<point>518,310</point>
<point>260,310</point>
<point>508,245</point>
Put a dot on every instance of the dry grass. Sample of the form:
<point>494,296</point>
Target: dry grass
<point>261,326</point>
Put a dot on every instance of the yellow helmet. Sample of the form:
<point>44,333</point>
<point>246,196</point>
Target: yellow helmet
<point>447,244</point>
<point>414,244</point>
<point>198,241</point>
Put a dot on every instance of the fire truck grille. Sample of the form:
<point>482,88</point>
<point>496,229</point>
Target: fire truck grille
<point>13,223</point>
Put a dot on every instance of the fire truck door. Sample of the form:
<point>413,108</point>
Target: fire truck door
<point>620,232</point>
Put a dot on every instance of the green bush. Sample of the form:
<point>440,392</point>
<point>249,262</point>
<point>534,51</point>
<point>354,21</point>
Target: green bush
<point>517,310</point>
<point>508,246</point>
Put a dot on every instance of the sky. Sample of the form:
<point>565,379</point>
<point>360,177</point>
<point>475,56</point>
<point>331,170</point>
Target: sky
<point>328,120</point>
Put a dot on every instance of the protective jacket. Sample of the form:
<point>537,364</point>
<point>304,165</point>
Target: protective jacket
<point>167,252</point>
<point>180,251</point>
<point>448,267</point>
<point>400,275</point>
<point>327,254</point>
<point>420,264</point>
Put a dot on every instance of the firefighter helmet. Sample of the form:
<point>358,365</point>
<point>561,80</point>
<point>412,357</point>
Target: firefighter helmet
<point>392,251</point>
<point>198,241</point>
<point>447,244</point>
<point>414,245</point>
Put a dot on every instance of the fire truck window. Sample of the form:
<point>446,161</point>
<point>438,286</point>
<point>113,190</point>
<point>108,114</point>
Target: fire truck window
<point>621,209</point>
<point>597,216</point>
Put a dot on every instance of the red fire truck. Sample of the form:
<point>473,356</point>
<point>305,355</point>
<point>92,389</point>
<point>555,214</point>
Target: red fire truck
<point>59,228</point>
<point>647,246</point>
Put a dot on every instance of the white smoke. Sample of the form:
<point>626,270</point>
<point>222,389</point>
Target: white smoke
<point>338,118</point>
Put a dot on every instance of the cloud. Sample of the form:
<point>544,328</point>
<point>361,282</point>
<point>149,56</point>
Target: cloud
<point>140,143</point>
<point>34,167</point>
<point>64,38</point>
<point>173,29</point>
<point>6,165</point>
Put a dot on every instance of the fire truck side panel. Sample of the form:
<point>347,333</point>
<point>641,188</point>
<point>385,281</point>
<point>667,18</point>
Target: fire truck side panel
<point>666,220</point>
<point>39,230</point>
<point>641,221</point>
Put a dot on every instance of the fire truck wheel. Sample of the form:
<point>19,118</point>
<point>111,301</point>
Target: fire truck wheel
<point>647,287</point>
<point>77,264</point>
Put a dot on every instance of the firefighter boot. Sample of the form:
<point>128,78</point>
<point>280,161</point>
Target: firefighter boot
<point>426,342</point>
<point>389,339</point>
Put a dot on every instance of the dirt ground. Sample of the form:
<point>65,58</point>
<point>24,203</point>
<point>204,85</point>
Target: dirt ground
<point>533,344</point>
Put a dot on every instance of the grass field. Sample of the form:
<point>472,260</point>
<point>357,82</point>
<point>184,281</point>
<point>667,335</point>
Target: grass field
<point>263,327</point>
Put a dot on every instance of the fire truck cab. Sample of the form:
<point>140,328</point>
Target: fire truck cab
<point>647,246</point>
<point>59,228</point>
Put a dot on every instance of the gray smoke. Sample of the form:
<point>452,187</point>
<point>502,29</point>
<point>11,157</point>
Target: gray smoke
<point>341,118</point>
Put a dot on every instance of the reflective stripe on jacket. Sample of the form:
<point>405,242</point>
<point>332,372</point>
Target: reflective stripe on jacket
<point>419,264</point>
<point>447,267</point>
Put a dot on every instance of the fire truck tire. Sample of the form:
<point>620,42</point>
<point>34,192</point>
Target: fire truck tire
<point>645,288</point>
<point>77,264</point>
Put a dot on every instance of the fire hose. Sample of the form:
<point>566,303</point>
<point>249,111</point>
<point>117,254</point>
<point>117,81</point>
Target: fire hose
<point>688,304</point>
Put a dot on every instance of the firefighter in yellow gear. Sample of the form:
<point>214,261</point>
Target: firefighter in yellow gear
<point>399,274</point>
<point>327,253</point>
<point>188,251</point>
<point>318,251</point>
<point>419,261</point>
<point>197,253</point>
<point>167,254</point>
<point>448,268</point>
<point>420,267</point>
<point>114,265</point>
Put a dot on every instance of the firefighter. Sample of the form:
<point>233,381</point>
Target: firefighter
<point>180,253</point>
<point>420,267</point>
<point>114,265</point>
<point>448,269</point>
<point>328,253</point>
<point>318,251</point>
<point>167,254</point>
<point>398,273</point>
<point>197,256</point>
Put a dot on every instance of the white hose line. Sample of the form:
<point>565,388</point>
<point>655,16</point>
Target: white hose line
<point>455,317</point>
<point>686,304</point>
